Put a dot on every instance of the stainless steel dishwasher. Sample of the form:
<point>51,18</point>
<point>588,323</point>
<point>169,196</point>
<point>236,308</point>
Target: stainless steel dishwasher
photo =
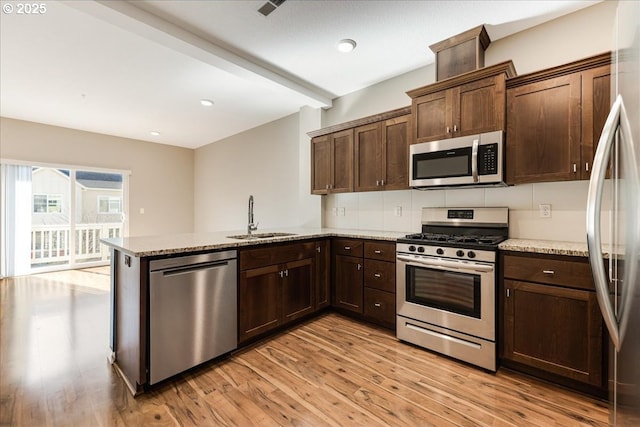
<point>192,311</point>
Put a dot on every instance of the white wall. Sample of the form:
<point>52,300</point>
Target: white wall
<point>270,162</point>
<point>579,35</point>
<point>161,178</point>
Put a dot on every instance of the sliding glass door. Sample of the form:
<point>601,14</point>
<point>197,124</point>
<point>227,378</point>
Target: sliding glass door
<point>99,213</point>
<point>54,217</point>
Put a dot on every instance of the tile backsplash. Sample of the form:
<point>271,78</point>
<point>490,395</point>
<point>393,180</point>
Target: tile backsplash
<point>401,210</point>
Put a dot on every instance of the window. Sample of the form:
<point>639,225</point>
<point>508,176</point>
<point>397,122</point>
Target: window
<point>107,205</point>
<point>47,203</point>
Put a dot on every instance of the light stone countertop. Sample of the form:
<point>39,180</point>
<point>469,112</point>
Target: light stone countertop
<point>546,247</point>
<point>146,246</point>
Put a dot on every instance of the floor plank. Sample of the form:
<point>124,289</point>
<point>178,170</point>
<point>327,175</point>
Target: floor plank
<point>329,371</point>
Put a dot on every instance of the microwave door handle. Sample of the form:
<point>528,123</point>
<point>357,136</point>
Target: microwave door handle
<point>474,160</point>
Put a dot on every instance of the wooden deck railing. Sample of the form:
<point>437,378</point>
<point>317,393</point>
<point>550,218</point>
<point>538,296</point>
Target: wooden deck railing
<point>50,243</point>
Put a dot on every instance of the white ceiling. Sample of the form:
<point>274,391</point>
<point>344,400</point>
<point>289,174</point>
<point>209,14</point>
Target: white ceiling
<point>126,68</point>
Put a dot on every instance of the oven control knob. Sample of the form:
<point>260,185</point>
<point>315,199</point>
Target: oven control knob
<point>460,253</point>
<point>420,249</point>
<point>412,248</point>
<point>440,251</point>
<point>471,254</point>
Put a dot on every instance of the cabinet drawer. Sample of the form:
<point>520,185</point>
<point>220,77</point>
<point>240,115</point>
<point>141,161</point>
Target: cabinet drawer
<point>383,251</point>
<point>276,254</point>
<point>380,275</point>
<point>348,247</point>
<point>553,271</point>
<point>380,306</point>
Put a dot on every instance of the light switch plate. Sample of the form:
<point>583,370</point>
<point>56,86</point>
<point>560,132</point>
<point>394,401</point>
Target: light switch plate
<point>398,211</point>
<point>341,211</point>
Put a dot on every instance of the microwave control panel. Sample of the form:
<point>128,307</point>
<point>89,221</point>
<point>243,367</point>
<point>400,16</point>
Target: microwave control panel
<point>488,159</point>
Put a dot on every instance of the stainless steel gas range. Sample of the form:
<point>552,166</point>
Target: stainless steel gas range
<point>446,283</point>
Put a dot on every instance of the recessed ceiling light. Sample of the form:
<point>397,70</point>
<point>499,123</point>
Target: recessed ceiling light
<point>206,102</point>
<point>346,45</point>
<point>155,133</point>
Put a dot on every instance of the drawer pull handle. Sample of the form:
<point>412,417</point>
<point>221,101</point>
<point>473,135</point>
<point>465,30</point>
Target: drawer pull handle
<point>548,272</point>
<point>377,251</point>
<point>347,248</point>
<point>378,305</point>
<point>378,275</point>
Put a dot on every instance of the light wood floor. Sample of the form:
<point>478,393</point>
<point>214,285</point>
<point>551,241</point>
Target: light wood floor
<point>327,371</point>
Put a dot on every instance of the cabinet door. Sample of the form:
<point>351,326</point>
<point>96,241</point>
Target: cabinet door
<point>479,106</point>
<point>395,153</point>
<point>380,275</point>
<point>433,116</point>
<point>260,301</point>
<point>596,101</point>
<point>555,329</point>
<point>380,306</point>
<point>348,283</point>
<point>341,162</point>
<point>368,157</point>
<point>320,164</point>
<point>543,130</point>
<point>323,274</point>
<point>297,289</point>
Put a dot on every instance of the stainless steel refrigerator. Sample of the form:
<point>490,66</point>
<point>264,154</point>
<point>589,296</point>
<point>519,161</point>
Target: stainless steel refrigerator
<point>616,175</point>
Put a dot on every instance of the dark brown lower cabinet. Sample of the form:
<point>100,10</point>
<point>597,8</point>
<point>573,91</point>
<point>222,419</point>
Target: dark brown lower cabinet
<point>348,283</point>
<point>551,320</point>
<point>276,286</point>
<point>365,279</point>
<point>297,289</point>
<point>260,301</point>
<point>323,273</point>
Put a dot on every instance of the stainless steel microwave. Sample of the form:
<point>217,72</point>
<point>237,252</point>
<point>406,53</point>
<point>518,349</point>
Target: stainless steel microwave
<point>464,161</point>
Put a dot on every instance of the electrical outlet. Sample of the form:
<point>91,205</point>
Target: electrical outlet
<point>545,211</point>
<point>335,211</point>
<point>341,211</point>
<point>398,211</point>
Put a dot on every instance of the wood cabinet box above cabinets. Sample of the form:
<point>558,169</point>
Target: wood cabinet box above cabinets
<point>554,120</point>
<point>467,104</point>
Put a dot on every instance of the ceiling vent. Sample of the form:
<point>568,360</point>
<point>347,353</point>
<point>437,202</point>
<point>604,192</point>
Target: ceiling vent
<point>270,6</point>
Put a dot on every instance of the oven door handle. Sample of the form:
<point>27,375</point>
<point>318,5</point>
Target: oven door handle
<point>444,264</point>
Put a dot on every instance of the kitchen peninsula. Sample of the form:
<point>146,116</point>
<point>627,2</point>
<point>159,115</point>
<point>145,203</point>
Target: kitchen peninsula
<point>143,270</point>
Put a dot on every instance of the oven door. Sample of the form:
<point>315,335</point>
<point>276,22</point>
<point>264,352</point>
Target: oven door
<point>453,294</point>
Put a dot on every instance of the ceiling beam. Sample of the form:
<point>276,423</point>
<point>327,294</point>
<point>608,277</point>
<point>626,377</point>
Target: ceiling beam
<point>127,16</point>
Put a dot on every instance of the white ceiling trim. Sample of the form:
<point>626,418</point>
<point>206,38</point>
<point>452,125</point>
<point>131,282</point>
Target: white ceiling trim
<point>133,19</point>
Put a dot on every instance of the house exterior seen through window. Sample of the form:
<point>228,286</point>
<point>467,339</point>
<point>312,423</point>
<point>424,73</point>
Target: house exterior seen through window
<point>47,203</point>
<point>107,205</point>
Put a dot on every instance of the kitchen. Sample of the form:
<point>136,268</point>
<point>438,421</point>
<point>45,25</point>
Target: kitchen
<point>364,211</point>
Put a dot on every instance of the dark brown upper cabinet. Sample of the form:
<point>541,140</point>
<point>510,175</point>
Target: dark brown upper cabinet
<point>332,163</point>
<point>467,104</point>
<point>554,120</point>
<point>368,154</point>
<point>382,154</point>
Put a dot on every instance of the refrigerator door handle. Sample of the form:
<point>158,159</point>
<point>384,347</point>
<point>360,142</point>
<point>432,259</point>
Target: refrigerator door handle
<point>616,121</point>
<point>594,203</point>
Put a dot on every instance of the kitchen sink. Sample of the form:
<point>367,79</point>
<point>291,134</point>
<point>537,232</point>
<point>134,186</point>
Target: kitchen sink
<point>259,236</point>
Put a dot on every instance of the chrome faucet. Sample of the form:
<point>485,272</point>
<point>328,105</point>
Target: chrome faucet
<point>251,226</point>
